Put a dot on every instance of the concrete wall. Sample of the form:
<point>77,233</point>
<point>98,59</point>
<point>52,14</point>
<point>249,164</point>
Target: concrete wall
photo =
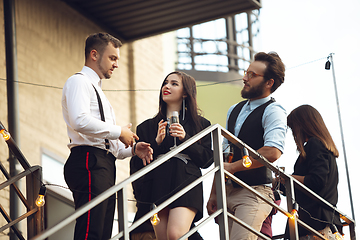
<point>50,48</point>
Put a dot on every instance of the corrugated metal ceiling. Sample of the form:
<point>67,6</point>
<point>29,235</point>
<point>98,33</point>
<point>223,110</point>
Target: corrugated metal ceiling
<point>134,19</point>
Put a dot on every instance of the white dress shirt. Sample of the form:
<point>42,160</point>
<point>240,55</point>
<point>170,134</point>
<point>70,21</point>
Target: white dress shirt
<point>82,115</point>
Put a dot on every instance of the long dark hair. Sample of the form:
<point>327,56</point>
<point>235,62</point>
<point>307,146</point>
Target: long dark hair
<point>306,122</point>
<point>192,110</point>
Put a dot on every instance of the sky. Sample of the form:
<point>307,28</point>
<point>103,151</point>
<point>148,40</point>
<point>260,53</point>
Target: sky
<point>304,33</point>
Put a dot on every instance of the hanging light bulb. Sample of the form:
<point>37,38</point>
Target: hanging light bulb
<point>294,213</point>
<point>154,219</point>
<point>335,231</point>
<point>40,200</point>
<point>5,134</point>
<point>246,160</point>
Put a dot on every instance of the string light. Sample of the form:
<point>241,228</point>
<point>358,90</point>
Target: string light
<point>246,160</point>
<point>4,133</point>
<point>294,213</point>
<point>40,201</point>
<point>335,231</point>
<point>154,219</point>
<point>153,90</point>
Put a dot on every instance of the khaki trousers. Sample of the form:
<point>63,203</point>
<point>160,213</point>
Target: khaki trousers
<point>249,208</point>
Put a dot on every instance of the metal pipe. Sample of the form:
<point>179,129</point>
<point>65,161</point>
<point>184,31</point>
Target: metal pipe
<point>342,136</point>
<point>249,22</point>
<point>12,96</point>
<point>231,44</point>
<point>192,51</point>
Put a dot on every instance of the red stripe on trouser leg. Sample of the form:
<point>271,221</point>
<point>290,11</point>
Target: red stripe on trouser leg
<point>89,175</point>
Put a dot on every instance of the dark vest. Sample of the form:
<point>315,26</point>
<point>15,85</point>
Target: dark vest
<point>251,133</point>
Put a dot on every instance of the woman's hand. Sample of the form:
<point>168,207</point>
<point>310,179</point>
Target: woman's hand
<point>177,130</point>
<point>161,132</point>
<point>297,177</point>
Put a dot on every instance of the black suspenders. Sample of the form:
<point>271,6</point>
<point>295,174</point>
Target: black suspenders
<point>107,144</point>
<point>101,109</point>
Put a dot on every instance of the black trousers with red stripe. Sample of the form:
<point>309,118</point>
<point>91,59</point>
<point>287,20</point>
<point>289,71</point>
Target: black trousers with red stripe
<point>88,172</point>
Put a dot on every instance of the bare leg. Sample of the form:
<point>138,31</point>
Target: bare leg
<point>161,228</point>
<point>174,223</point>
<point>179,221</point>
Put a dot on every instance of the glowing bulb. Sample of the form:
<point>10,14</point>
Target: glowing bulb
<point>246,160</point>
<point>154,219</point>
<point>338,236</point>
<point>40,200</point>
<point>294,214</point>
<point>336,233</point>
<point>5,134</point>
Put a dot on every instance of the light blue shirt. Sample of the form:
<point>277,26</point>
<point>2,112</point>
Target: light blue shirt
<point>273,122</point>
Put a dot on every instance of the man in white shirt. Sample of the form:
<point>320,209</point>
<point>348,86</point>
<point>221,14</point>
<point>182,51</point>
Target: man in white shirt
<point>95,139</point>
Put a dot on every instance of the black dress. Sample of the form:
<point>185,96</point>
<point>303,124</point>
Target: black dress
<point>321,176</point>
<point>173,175</point>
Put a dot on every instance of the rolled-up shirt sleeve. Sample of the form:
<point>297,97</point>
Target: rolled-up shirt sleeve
<point>274,123</point>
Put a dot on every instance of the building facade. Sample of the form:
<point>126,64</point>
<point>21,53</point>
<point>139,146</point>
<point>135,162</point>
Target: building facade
<point>50,42</point>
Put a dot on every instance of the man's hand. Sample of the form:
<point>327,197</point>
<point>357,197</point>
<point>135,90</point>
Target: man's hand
<point>211,205</point>
<point>144,151</point>
<point>270,153</point>
<point>127,136</point>
<point>229,167</point>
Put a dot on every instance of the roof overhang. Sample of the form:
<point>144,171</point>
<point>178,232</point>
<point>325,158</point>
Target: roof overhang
<point>130,20</point>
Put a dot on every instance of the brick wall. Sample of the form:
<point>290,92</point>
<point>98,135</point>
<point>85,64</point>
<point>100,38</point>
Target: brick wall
<point>50,48</point>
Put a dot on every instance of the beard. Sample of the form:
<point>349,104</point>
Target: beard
<point>104,72</point>
<point>253,92</point>
<point>106,75</point>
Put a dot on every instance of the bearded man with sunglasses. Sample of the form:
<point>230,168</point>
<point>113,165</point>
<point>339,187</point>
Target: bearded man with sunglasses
<point>260,122</point>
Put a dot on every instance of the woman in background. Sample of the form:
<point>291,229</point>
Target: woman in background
<point>178,93</point>
<point>316,168</point>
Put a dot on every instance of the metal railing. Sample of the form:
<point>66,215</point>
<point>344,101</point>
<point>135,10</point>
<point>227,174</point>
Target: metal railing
<point>232,49</point>
<point>217,131</point>
<point>33,175</point>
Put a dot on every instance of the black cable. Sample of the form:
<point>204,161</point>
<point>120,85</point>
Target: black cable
<point>313,218</point>
<point>87,192</point>
<point>306,63</point>
<point>152,90</point>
